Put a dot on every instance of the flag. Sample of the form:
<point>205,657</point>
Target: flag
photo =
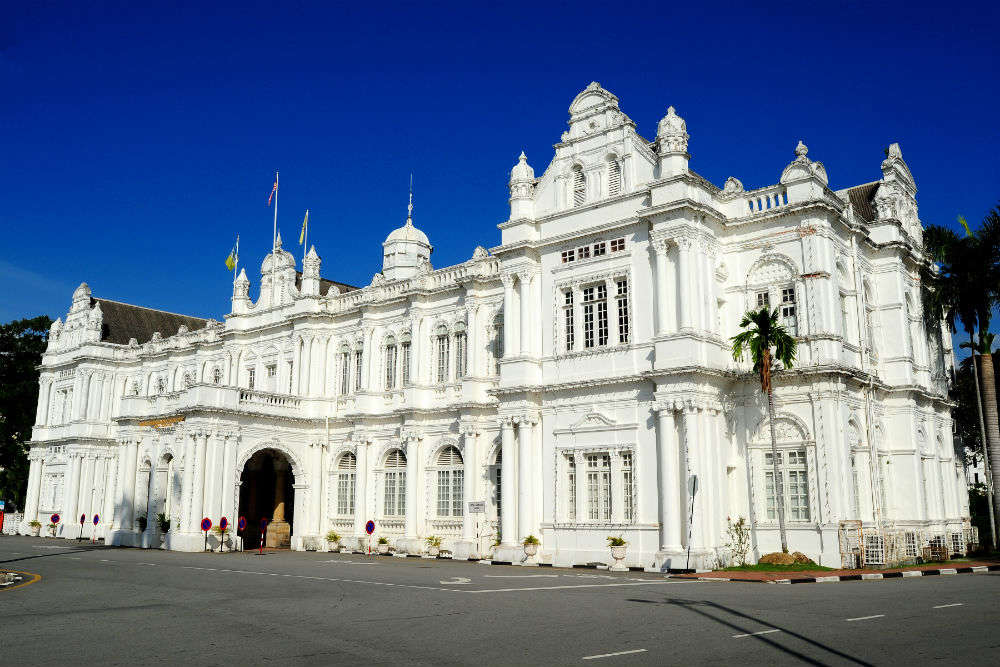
<point>305,223</point>
<point>234,256</point>
<point>273,190</point>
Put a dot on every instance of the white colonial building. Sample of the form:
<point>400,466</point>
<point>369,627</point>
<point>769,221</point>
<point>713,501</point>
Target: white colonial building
<point>576,377</point>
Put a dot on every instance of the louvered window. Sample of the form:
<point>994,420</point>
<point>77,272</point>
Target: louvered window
<point>623,323</point>
<point>443,348</point>
<point>579,187</point>
<point>460,354</point>
<point>451,477</point>
<point>614,179</point>
<point>627,483</point>
<point>358,357</point>
<point>390,363</point>
<point>345,372</point>
<point>346,481</point>
<point>406,362</point>
<point>394,500</point>
<point>568,317</point>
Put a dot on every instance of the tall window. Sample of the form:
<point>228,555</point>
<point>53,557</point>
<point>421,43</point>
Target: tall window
<point>788,317</point>
<point>614,178</point>
<point>345,372</point>
<point>460,353</point>
<point>589,295</point>
<point>251,377</point>
<point>791,466</point>
<point>844,319</point>
<point>443,345</point>
<point>498,342</point>
<point>394,500</point>
<point>358,358</point>
<point>216,376</point>
<point>579,187</point>
<point>571,500</point>
<point>568,319</point>
<point>450,478</point>
<point>622,297</point>
<point>390,363</point>
<point>346,481</point>
<point>406,361</point>
<point>497,490</point>
<point>627,504</point>
<point>598,487</point>
<point>291,374</point>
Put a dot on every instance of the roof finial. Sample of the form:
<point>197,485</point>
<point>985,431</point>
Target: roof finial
<point>409,207</point>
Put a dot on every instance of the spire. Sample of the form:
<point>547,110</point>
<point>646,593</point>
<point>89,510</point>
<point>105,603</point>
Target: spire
<point>277,242</point>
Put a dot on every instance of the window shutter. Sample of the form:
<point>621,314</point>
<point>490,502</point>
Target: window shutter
<point>614,179</point>
<point>579,188</point>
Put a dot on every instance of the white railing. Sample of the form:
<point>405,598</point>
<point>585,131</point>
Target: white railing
<point>765,199</point>
<point>252,397</point>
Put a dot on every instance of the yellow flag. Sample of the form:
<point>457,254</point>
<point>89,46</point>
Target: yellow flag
<point>230,262</point>
<point>305,223</point>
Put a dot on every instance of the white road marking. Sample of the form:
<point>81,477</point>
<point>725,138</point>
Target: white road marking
<point>520,576</point>
<point>611,655</point>
<point>349,562</point>
<point>754,634</point>
<point>48,547</point>
<point>953,604</point>
<point>865,618</point>
<point>554,588</point>
<point>458,580</point>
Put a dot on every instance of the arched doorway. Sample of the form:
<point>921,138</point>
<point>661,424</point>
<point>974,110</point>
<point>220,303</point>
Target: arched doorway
<point>267,491</point>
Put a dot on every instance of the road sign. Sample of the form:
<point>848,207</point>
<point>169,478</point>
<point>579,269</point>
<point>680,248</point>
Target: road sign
<point>223,523</point>
<point>97,519</point>
<point>206,524</point>
<point>263,524</point>
<point>477,507</point>
<point>54,518</point>
<point>370,527</point>
<point>241,524</point>
<point>3,504</point>
<point>83,519</point>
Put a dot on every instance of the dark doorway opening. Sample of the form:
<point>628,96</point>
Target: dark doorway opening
<point>267,492</point>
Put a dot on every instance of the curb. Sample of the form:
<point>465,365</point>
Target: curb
<point>869,576</point>
<point>575,566</point>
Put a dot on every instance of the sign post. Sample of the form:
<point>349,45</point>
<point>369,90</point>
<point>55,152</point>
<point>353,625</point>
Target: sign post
<point>693,490</point>
<point>93,536</point>
<point>54,520</point>
<point>370,528</point>
<point>223,524</point>
<point>83,520</point>
<point>206,525</point>
<point>241,526</point>
<point>263,532</point>
<point>3,506</point>
<point>477,507</point>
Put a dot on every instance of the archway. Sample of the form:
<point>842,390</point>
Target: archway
<point>267,491</point>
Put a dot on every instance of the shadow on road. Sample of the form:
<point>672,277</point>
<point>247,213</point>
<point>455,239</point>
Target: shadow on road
<point>706,607</point>
<point>60,552</point>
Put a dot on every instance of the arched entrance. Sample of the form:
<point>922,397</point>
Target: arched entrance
<point>267,491</point>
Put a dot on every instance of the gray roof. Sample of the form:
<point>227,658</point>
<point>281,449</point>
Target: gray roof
<point>123,321</point>
<point>324,284</point>
<point>861,197</point>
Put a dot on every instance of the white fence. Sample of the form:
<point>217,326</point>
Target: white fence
<point>862,547</point>
<point>11,522</point>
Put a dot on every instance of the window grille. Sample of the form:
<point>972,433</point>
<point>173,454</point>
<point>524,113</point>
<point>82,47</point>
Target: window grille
<point>617,245</point>
<point>571,509</point>
<point>588,317</point>
<point>568,316</point>
<point>568,256</point>
<point>346,484</point>
<point>599,487</point>
<point>600,248</point>
<point>460,354</point>
<point>763,300</point>
<point>788,317</point>
<point>602,314</point>
<point>442,356</point>
<point>390,364</point>
<point>579,187</point>
<point>627,481</point>
<point>358,358</point>
<point>251,376</point>
<point>345,372</point>
<point>394,501</point>
<point>614,178</point>
<point>583,252</point>
<point>450,483</point>
<point>623,323</point>
<point>497,491</point>
<point>406,362</point>
<point>796,496</point>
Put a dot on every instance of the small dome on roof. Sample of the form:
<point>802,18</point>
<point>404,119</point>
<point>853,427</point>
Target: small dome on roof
<point>522,171</point>
<point>408,233</point>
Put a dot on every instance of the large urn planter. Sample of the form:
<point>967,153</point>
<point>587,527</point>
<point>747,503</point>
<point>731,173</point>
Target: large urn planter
<point>382,546</point>
<point>333,541</point>
<point>618,551</point>
<point>530,546</point>
<point>433,545</point>
<point>35,528</point>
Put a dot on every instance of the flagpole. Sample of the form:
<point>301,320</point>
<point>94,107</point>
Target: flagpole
<point>305,241</point>
<point>236,266</point>
<point>274,243</point>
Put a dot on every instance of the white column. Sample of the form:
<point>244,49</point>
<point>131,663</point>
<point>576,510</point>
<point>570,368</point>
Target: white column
<point>361,513</point>
<point>127,497</point>
<point>225,474</point>
<point>412,501</point>
<point>508,506</point>
<point>87,486</point>
<point>296,380</point>
<point>525,495</point>
<point>684,295</point>
<point>470,456</point>
<point>187,488</point>
<point>581,486</point>
<point>71,494</point>
<point>508,316</point>
<point>692,442</point>
<point>472,354</point>
<point>198,488</point>
<point>34,486</point>
<point>524,294</point>
<point>41,410</point>
<point>211,478</point>
<point>110,493</point>
<point>660,248</point>
<point>671,511</point>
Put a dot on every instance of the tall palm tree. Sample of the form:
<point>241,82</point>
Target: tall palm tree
<point>984,349</point>
<point>762,330</point>
<point>963,284</point>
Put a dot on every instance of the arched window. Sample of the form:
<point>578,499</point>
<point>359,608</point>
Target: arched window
<point>442,350</point>
<point>579,186</point>
<point>461,350</point>
<point>394,498</point>
<point>614,178</point>
<point>216,375</point>
<point>404,361</point>
<point>346,470</point>
<point>390,363</point>
<point>450,479</point>
<point>498,342</point>
<point>870,319</point>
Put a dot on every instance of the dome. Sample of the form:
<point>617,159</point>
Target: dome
<point>408,233</point>
<point>522,171</point>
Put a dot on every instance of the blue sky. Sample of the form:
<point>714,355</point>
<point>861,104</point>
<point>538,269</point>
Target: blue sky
<point>137,141</point>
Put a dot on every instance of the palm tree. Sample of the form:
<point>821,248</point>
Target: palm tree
<point>762,330</point>
<point>985,349</point>
<point>963,284</point>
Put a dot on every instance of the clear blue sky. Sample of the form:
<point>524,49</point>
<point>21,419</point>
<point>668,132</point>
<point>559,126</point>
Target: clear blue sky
<point>137,141</point>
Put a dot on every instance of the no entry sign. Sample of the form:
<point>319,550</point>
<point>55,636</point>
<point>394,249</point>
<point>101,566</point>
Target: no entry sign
<point>370,527</point>
<point>97,519</point>
<point>241,524</point>
<point>223,523</point>
<point>206,524</point>
<point>83,519</point>
<point>54,518</point>
<point>263,524</point>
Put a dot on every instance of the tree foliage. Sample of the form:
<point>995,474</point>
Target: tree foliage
<point>22,343</point>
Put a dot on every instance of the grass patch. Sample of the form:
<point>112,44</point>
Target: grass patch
<point>765,567</point>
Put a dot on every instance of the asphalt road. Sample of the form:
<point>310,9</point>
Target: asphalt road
<point>97,605</point>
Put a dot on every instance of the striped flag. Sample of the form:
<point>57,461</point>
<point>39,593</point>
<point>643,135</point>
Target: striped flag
<point>305,223</point>
<point>273,190</point>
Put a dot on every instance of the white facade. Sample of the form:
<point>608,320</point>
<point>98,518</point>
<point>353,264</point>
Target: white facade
<point>575,377</point>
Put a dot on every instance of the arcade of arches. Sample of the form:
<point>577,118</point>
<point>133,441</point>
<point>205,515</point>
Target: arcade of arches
<point>267,492</point>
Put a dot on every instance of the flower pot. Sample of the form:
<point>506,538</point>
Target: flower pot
<point>530,550</point>
<point>35,530</point>
<point>52,531</point>
<point>618,553</point>
<point>433,551</point>
<point>333,546</point>
<point>383,548</point>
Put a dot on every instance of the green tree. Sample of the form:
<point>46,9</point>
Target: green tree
<point>762,330</point>
<point>962,284</point>
<point>22,343</point>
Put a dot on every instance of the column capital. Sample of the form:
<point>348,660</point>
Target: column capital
<point>507,279</point>
<point>505,422</point>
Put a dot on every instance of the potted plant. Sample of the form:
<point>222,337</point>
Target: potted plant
<point>530,545</point>
<point>383,545</point>
<point>221,533</point>
<point>141,522</point>
<point>332,540</point>
<point>617,545</point>
<point>36,527</point>
<point>52,529</point>
<point>433,545</point>
<point>163,522</point>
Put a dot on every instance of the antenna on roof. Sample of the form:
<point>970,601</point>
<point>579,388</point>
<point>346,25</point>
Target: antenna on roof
<point>409,207</point>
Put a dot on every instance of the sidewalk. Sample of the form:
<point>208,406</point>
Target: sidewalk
<point>971,566</point>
